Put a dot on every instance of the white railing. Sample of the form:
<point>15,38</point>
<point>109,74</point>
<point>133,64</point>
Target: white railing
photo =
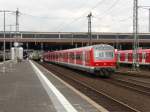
<point>7,66</point>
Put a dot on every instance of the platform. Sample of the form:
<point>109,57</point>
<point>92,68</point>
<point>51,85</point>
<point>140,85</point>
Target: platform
<point>28,87</point>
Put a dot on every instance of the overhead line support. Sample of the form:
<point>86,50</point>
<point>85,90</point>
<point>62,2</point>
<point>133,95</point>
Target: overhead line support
<point>135,34</point>
<point>89,28</point>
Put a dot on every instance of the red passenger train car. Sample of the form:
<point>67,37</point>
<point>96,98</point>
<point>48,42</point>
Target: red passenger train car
<point>96,59</point>
<point>126,56</point>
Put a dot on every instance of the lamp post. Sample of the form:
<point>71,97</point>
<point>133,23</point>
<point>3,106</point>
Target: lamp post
<point>4,42</point>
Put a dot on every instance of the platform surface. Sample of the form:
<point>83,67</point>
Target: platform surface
<point>21,90</point>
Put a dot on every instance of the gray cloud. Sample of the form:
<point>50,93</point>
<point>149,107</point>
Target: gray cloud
<point>70,15</point>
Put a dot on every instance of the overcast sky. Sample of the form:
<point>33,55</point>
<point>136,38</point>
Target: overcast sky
<point>70,15</point>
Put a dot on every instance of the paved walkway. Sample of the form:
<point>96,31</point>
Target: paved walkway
<point>21,91</point>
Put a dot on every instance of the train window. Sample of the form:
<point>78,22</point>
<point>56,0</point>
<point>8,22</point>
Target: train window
<point>109,54</point>
<point>78,56</point>
<point>105,47</point>
<point>65,55</point>
<point>56,56</point>
<point>99,54</point>
<point>71,56</point>
<point>103,54</point>
<point>121,56</point>
<point>60,55</point>
<point>87,56</point>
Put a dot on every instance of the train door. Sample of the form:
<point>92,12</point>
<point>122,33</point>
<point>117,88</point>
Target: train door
<point>71,57</point>
<point>68,57</point>
<point>79,57</point>
<point>87,58</point>
<point>122,57</point>
<point>61,59</point>
<point>143,57</point>
<point>140,57</point>
<point>75,57</point>
<point>51,57</point>
<point>126,57</point>
<point>130,58</point>
<point>147,60</point>
<point>118,57</point>
<point>83,58</point>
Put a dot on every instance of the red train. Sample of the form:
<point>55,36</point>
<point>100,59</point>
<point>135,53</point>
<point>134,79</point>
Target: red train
<point>96,59</point>
<point>126,56</point>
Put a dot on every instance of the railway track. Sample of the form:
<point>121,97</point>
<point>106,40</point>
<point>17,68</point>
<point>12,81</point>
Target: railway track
<point>98,95</point>
<point>134,73</point>
<point>141,82</point>
<point>131,85</point>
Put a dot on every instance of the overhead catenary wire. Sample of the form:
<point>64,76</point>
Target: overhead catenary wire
<point>39,17</point>
<point>108,25</point>
<point>106,12</point>
<point>113,19</point>
<point>116,18</point>
<point>144,8</point>
<point>105,9</point>
<point>8,26</point>
<point>148,9</point>
<point>50,18</point>
<point>62,25</point>
<point>124,19</point>
<point>46,17</point>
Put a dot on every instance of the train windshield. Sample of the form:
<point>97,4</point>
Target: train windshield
<point>104,53</point>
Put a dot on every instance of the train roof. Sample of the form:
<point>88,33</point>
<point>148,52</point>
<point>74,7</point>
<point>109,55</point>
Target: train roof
<point>86,47</point>
<point>130,51</point>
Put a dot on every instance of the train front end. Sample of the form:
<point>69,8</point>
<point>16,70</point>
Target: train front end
<point>104,60</point>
